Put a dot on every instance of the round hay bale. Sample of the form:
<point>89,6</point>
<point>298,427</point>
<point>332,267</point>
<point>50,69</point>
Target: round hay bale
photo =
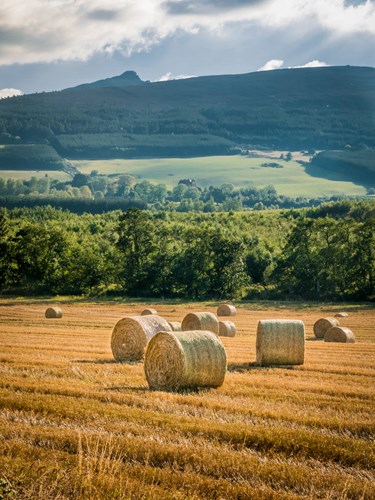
<point>53,312</point>
<point>131,334</point>
<point>146,312</point>
<point>339,334</point>
<point>200,321</point>
<point>341,315</point>
<point>226,310</point>
<point>188,359</point>
<point>175,326</point>
<point>322,325</point>
<point>227,329</point>
<point>280,342</point>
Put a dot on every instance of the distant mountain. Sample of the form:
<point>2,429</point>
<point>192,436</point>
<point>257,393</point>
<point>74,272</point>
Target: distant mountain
<point>124,117</point>
<point>127,79</point>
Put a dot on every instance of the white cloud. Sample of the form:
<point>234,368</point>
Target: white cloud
<point>272,64</point>
<point>168,76</point>
<point>9,93</point>
<point>55,30</point>
<point>279,64</point>
<point>312,64</point>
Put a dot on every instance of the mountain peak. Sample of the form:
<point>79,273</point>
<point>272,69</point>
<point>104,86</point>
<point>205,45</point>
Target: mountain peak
<point>130,75</point>
<point>126,79</point>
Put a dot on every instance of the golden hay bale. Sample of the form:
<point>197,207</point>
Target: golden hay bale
<point>53,312</point>
<point>175,326</point>
<point>322,325</point>
<point>146,312</point>
<point>226,310</point>
<point>339,334</point>
<point>185,360</point>
<point>227,329</point>
<point>131,334</point>
<point>280,342</point>
<point>341,315</point>
<point>201,321</point>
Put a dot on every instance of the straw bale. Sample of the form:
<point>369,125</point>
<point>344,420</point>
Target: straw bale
<point>175,326</point>
<point>201,321</point>
<point>341,315</point>
<point>226,310</point>
<point>280,342</point>
<point>53,312</point>
<point>146,312</point>
<point>189,359</point>
<point>131,334</point>
<point>322,325</point>
<point>339,334</point>
<point>227,329</point>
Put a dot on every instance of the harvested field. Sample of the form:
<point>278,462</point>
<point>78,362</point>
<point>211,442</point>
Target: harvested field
<point>76,424</point>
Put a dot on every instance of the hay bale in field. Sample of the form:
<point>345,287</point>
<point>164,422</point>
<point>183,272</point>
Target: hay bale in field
<point>131,334</point>
<point>146,312</point>
<point>322,325</point>
<point>227,329</point>
<point>280,342</point>
<point>185,360</point>
<point>200,321</point>
<point>53,312</point>
<point>341,315</point>
<point>175,326</point>
<point>226,310</point>
<point>339,334</point>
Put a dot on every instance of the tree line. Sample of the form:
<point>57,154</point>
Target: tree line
<point>97,193</point>
<point>325,253</point>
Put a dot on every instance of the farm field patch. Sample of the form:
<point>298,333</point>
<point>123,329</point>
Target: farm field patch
<point>39,174</point>
<point>76,424</point>
<point>291,180</point>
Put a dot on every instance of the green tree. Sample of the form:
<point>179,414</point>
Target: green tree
<point>4,248</point>
<point>36,257</point>
<point>137,244</point>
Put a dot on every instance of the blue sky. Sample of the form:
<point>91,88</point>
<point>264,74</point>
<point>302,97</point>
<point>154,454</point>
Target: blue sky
<point>53,44</point>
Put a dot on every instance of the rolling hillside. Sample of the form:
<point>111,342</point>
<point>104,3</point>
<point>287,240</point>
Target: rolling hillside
<point>124,117</point>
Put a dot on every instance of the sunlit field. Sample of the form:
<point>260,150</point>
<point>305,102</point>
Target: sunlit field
<point>291,180</point>
<point>76,424</point>
<point>24,175</point>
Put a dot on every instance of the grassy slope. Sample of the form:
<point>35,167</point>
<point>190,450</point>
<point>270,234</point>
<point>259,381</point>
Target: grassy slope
<point>292,180</point>
<point>27,174</point>
<point>75,424</point>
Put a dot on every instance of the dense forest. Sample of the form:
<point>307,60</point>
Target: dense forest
<point>123,117</point>
<point>323,253</point>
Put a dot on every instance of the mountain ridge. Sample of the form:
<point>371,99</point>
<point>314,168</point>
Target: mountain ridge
<point>126,117</point>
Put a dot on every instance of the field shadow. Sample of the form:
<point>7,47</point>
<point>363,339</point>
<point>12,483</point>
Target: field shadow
<point>143,389</point>
<point>246,367</point>
<point>121,388</point>
<point>104,362</point>
<point>184,390</point>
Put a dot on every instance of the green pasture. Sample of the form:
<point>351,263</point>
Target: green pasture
<point>27,174</point>
<point>291,180</point>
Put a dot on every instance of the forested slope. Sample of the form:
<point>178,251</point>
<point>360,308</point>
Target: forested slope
<point>290,109</point>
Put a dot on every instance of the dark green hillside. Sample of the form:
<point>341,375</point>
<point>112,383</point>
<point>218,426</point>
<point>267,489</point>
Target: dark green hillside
<point>122,145</point>
<point>353,165</point>
<point>30,156</point>
<point>321,108</point>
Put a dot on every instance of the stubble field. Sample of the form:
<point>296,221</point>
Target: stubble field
<point>76,424</point>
